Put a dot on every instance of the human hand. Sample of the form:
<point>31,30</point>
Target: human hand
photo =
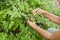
<point>30,21</point>
<point>38,11</point>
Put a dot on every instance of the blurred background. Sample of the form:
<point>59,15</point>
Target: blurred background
<point>14,14</point>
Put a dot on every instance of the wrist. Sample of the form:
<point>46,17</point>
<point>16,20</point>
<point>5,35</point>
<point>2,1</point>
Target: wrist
<point>44,12</point>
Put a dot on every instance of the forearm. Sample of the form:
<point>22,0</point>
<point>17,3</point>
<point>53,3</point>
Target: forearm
<point>52,17</point>
<point>41,31</point>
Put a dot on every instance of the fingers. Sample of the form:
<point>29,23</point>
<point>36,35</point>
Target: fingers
<point>27,20</point>
<point>38,11</point>
<point>35,10</point>
<point>30,22</point>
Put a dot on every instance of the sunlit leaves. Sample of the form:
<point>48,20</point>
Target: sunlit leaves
<point>14,15</point>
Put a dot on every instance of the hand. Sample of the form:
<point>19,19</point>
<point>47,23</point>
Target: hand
<point>29,22</point>
<point>38,11</point>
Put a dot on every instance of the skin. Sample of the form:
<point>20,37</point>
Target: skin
<point>58,1</point>
<point>50,16</point>
<point>40,30</point>
<point>56,36</point>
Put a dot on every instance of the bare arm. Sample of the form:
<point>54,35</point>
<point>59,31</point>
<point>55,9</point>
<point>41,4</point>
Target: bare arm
<point>52,17</point>
<point>58,1</point>
<point>40,30</point>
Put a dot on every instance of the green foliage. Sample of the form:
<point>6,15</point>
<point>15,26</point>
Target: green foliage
<point>14,14</point>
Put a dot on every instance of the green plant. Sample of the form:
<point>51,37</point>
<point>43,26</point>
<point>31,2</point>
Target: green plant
<point>14,14</point>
